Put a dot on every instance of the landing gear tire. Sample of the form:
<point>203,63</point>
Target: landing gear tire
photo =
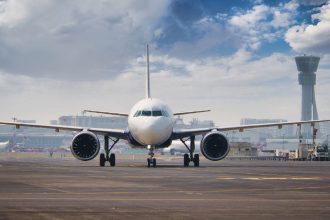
<point>186,160</point>
<point>196,160</point>
<point>112,160</point>
<point>102,160</point>
<point>152,161</point>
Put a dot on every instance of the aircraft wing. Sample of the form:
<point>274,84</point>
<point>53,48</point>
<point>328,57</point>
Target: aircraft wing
<point>192,112</point>
<point>116,133</point>
<point>106,113</point>
<point>178,134</point>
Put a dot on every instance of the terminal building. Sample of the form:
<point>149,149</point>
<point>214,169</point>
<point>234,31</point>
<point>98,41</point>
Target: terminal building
<point>93,121</point>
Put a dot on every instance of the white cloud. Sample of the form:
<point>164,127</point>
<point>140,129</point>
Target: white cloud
<point>11,13</point>
<point>49,43</point>
<point>251,17</point>
<point>312,37</point>
<point>75,39</point>
<point>233,87</point>
<point>262,23</point>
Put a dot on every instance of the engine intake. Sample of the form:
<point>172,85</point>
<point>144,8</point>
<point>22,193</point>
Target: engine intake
<point>214,146</point>
<point>85,146</point>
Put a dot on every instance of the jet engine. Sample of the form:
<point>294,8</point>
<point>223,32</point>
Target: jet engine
<point>85,145</point>
<point>214,146</point>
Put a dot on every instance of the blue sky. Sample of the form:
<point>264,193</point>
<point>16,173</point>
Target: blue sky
<point>233,57</point>
<point>180,23</point>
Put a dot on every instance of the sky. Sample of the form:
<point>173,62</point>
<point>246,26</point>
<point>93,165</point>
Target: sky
<point>236,58</point>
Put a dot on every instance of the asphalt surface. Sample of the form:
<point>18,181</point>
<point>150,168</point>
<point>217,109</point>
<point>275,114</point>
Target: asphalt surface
<point>71,189</point>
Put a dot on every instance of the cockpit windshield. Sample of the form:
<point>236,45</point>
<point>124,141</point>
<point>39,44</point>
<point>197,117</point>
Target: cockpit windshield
<point>154,113</point>
<point>157,113</point>
<point>145,113</point>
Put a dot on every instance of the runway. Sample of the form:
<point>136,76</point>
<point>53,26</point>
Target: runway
<point>44,188</point>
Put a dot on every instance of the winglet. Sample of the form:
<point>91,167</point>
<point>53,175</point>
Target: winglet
<point>147,74</point>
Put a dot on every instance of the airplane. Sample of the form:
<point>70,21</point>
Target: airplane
<point>177,148</point>
<point>151,126</point>
<point>4,145</point>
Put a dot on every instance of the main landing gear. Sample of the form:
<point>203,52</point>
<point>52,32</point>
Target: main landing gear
<point>104,157</point>
<point>151,161</point>
<point>187,158</point>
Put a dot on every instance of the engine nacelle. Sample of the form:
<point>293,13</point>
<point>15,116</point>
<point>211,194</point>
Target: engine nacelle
<point>85,146</point>
<point>214,146</point>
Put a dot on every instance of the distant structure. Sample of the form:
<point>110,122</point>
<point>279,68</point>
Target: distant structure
<point>93,121</point>
<point>307,66</point>
<point>259,134</point>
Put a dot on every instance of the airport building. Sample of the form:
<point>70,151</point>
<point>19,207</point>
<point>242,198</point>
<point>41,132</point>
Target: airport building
<point>259,134</point>
<point>195,123</point>
<point>93,121</point>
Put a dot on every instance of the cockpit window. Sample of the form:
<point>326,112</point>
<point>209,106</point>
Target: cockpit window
<point>137,114</point>
<point>154,113</point>
<point>146,113</point>
<point>165,113</point>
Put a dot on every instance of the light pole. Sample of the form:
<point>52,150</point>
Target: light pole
<point>14,134</point>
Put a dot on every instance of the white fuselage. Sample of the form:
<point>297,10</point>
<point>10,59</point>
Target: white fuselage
<point>151,122</point>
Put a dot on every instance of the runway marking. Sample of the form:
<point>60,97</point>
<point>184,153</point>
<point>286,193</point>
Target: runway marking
<point>269,178</point>
<point>3,195</point>
<point>146,199</point>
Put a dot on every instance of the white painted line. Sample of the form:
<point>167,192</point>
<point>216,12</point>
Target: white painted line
<point>269,178</point>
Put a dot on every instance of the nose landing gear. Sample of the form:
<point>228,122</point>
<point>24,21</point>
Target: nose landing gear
<point>151,160</point>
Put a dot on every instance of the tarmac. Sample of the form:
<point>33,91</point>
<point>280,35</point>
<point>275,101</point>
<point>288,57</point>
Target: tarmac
<point>55,188</point>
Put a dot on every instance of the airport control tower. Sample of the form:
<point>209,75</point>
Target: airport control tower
<point>307,66</point>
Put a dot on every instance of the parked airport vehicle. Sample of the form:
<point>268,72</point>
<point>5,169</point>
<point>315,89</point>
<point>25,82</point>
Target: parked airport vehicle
<point>151,126</point>
<point>319,152</point>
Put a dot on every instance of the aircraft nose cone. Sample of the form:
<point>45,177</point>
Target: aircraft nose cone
<point>154,132</point>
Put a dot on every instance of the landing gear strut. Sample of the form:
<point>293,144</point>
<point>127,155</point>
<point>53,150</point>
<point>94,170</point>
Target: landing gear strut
<point>104,157</point>
<point>151,160</point>
<point>191,156</point>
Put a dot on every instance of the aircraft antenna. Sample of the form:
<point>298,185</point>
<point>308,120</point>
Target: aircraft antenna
<point>147,74</point>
